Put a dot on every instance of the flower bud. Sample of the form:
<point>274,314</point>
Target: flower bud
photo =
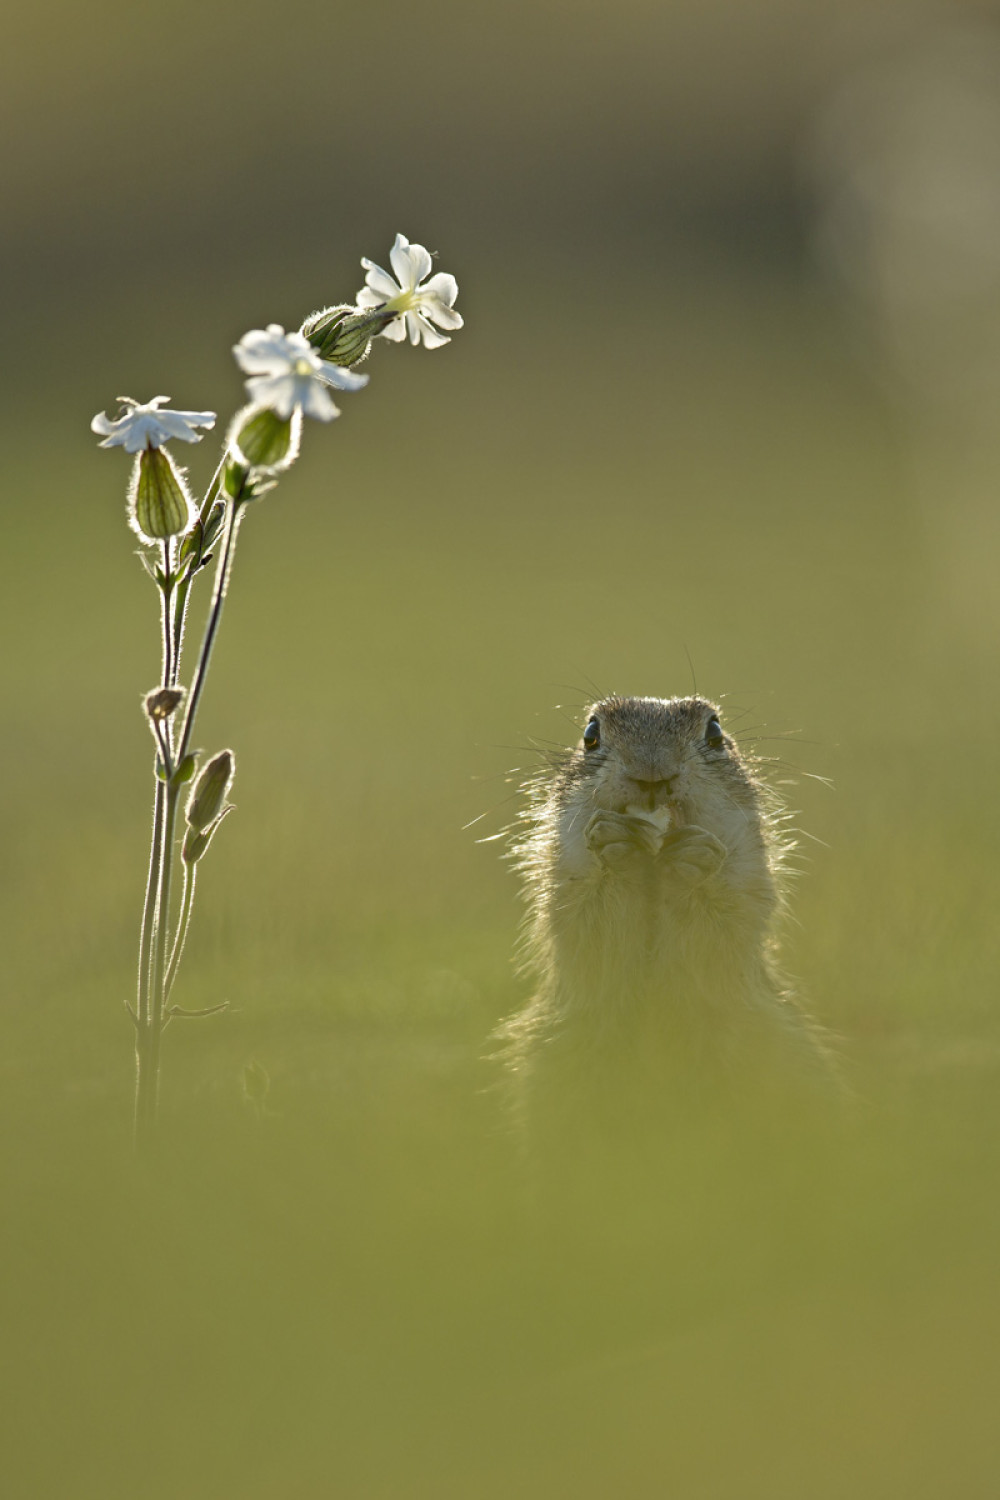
<point>234,478</point>
<point>260,439</point>
<point>159,502</point>
<point>193,553</point>
<point>208,798</point>
<point>162,703</point>
<point>194,845</point>
<point>343,335</point>
<point>196,842</point>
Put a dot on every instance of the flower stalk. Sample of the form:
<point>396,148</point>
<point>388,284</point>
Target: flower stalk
<point>289,376</point>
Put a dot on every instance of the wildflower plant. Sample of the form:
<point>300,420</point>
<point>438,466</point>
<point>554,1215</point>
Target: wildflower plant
<point>289,376</point>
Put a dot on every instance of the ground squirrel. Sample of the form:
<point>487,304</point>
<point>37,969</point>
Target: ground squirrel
<point>651,860</point>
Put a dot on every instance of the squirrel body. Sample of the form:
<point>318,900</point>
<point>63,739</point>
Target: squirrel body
<point>652,865</point>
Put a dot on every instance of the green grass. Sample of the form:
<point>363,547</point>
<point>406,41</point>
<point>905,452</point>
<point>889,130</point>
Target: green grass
<point>354,1294</point>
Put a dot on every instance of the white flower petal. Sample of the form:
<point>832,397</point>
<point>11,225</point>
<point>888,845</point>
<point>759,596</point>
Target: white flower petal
<point>444,317</point>
<point>380,281</point>
<point>432,339</point>
<point>269,349</point>
<point>399,259</point>
<point>411,263</point>
<point>275,391</point>
<point>341,379</point>
<point>253,357</point>
<point>143,425</point>
<point>130,435</point>
<point>317,402</point>
<point>142,432</point>
<point>367,299</point>
<point>395,331</point>
<point>179,424</point>
<point>103,424</point>
<point>443,287</point>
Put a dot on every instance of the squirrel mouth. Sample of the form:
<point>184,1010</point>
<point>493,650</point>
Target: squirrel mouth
<point>661,816</point>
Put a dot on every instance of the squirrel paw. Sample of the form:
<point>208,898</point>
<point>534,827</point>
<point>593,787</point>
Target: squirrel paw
<point>694,854</point>
<point>616,836</point>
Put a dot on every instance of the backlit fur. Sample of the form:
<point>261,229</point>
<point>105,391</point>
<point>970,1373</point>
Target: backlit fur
<point>651,982</point>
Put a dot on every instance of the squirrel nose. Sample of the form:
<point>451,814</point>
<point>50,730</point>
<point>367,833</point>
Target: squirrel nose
<point>655,789</point>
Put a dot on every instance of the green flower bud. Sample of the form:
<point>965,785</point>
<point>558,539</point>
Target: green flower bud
<point>234,479</point>
<point>208,797</point>
<point>260,439</point>
<point>213,525</point>
<point>343,335</point>
<point>159,502</point>
<point>194,845</point>
<point>193,552</point>
<point>197,841</point>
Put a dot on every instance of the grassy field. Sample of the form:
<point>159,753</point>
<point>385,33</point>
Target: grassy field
<point>352,1293</point>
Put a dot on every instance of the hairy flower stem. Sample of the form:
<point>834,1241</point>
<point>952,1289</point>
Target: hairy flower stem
<point>148,1010</point>
<point>234,511</point>
<point>166,592</point>
<point>184,585</point>
<point>149,908</point>
<point>147,932</point>
<point>177,625</point>
<point>183,923</point>
<point>148,1051</point>
<point>156,971</point>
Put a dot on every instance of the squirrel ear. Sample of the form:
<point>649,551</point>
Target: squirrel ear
<point>714,738</point>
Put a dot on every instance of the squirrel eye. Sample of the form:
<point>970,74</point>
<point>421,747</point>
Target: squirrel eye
<point>714,738</point>
<point>592,735</point>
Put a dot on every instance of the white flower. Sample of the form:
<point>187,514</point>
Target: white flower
<point>148,427</point>
<point>288,375</point>
<point>418,306</point>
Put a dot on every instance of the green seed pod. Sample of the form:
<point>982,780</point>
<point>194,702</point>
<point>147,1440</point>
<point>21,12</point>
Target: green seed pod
<point>159,502</point>
<point>260,439</point>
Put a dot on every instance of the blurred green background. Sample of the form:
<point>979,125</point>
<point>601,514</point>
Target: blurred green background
<point>722,413</point>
